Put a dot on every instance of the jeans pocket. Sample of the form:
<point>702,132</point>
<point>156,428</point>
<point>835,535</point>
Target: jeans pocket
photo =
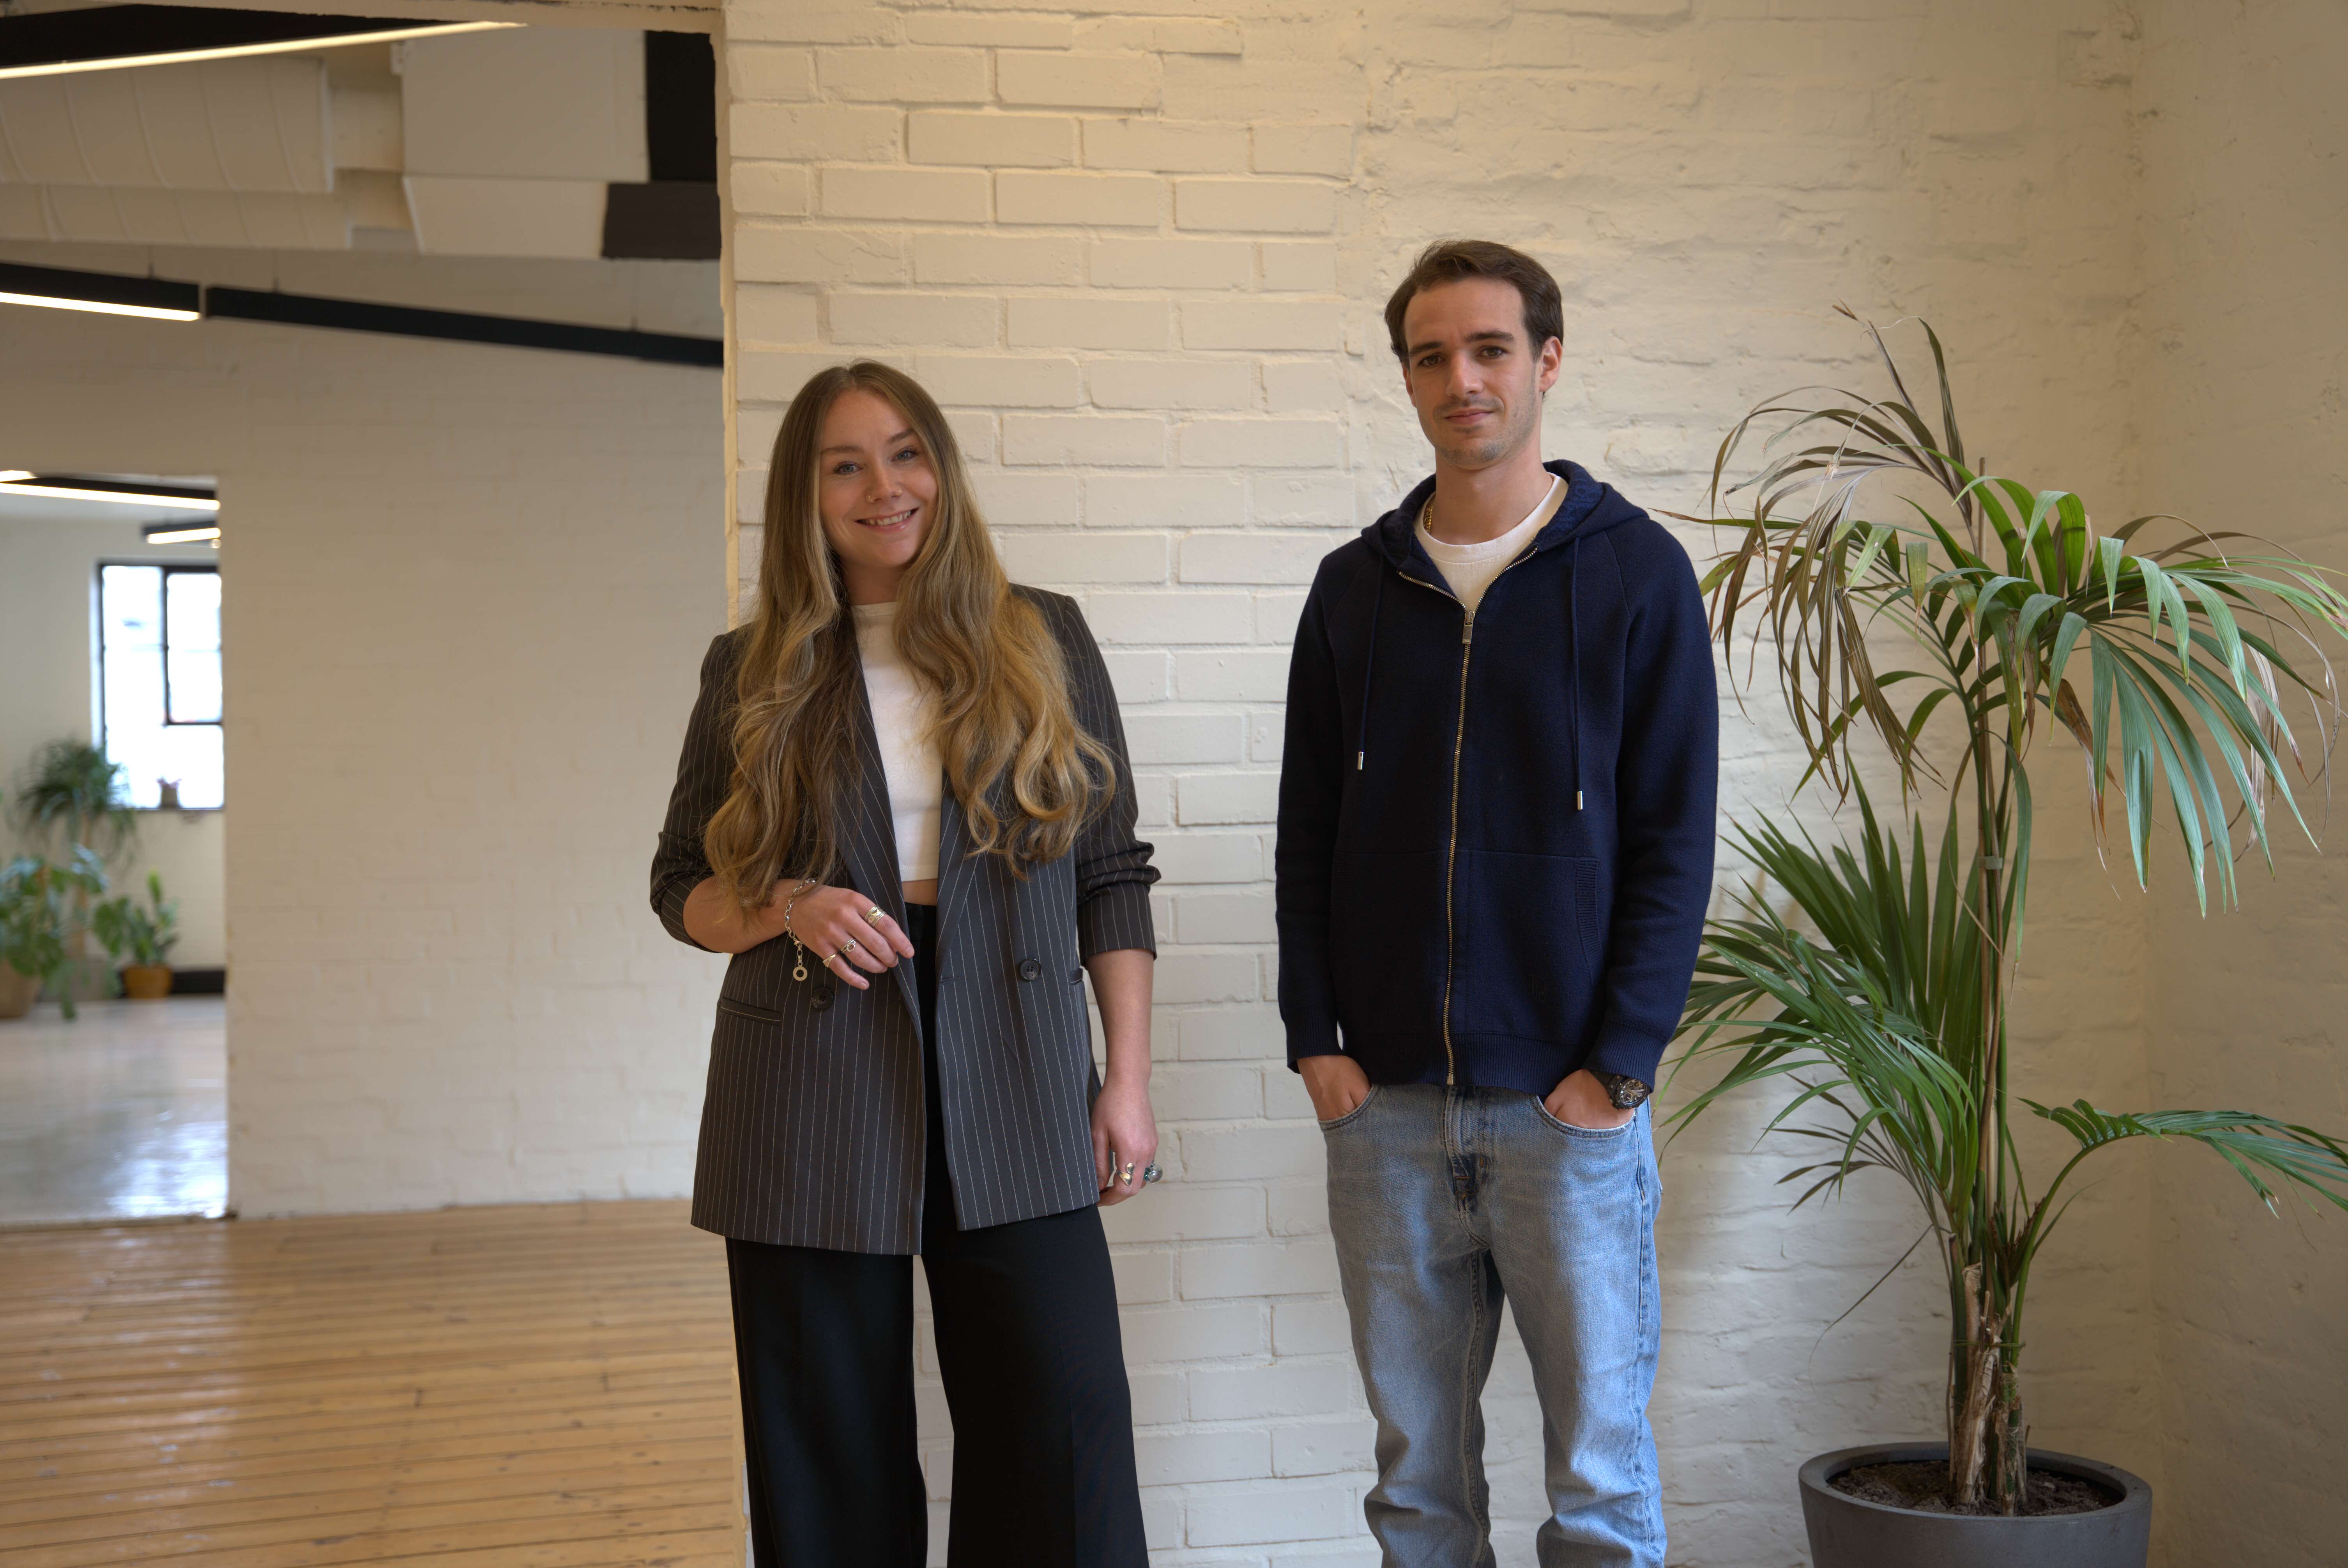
<point>1593,1134</point>
<point>1349,1117</point>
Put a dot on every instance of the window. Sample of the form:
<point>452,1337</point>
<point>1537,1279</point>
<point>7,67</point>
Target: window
<point>159,679</point>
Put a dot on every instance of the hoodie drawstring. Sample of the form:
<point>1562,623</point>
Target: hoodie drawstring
<point>1369,662</point>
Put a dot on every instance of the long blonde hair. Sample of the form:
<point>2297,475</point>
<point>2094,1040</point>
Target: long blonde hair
<point>1024,773</point>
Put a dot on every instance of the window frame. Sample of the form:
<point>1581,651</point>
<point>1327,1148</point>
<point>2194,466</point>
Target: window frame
<point>163,635</point>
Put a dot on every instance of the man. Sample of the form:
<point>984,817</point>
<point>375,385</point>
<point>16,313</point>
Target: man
<point>1495,842</point>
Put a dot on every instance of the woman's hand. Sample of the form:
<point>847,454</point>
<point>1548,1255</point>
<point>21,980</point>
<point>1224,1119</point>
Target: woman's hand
<point>844,931</point>
<point>1125,1137</point>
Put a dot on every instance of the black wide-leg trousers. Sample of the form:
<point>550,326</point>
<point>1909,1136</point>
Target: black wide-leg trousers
<point>1026,1317</point>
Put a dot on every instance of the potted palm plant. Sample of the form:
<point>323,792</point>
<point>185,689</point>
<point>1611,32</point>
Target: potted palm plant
<point>1869,983</point>
<point>144,936</point>
<point>37,900</point>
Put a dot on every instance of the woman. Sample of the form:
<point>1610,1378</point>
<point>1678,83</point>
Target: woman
<point>904,807</point>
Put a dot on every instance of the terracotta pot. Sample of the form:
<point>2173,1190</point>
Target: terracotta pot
<point>16,992</point>
<point>1846,1532</point>
<point>146,982</point>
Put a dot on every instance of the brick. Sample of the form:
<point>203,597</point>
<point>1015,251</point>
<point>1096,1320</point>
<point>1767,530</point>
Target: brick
<point>904,72</point>
<point>1304,149</point>
<point>1324,500</point>
<point>761,73</point>
<point>764,314</point>
<point>1014,140</point>
<point>1078,559</point>
<point>1171,264</point>
<point>921,195</point>
<point>1254,557</point>
<point>1162,36</point>
<point>1291,441</point>
<point>1305,267</point>
<point>1310,1327</point>
<point>1170,618</point>
<point>1156,1397</point>
<point>1002,381</point>
<point>990,31</point>
<point>1298,1208</point>
<point>1324,1448</point>
<point>975,432</point>
<point>1302,1388</point>
<point>1259,1268</point>
<point>1245,1154</point>
<point>1029,500</point>
<point>1156,1337</point>
<point>1232,675</point>
<point>1164,500</point>
<point>1061,322</point>
<point>1161,738</point>
<point>771,189</point>
<point>949,257</point>
<point>1170,383</point>
<point>1118,440</point>
<point>1205,1093</point>
<point>1298,385</point>
<point>1176,1459</point>
<point>1142,1277</point>
<point>1210,857</point>
<point>898,317</point>
<point>824,131</point>
<point>1266,206</point>
<point>1076,80</point>
<point>1223,800</point>
<point>1204,978</point>
<point>805,254</point>
<point>1138,675</point>
<point>1250,1518</point>
<point>1261,325</point>
<point>770,377</point>
<point>1113,201</point>
<point>1169,147</point>
<point>1181,1212</point>
<point>820,22</point>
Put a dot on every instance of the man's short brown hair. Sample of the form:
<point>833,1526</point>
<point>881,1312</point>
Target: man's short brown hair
<point>1448,260</point>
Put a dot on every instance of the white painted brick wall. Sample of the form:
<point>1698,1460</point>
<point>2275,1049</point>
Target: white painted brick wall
<point>1195,401</point>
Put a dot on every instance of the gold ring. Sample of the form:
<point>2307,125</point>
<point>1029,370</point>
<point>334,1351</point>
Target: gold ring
<point>874,913</point>
<point>846,950</point>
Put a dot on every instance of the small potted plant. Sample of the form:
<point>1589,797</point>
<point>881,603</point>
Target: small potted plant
<point>1869,983</point>
<point>146,936</point>
<point>37,900</point>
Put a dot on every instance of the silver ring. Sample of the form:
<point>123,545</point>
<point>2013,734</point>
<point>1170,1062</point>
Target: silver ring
<point>1150,1173</point>
<point>874,913</point>
<point>848,948</point>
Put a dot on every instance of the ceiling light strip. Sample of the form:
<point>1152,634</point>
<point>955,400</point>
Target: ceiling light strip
<point>66,488</point>
<point>239,51</point>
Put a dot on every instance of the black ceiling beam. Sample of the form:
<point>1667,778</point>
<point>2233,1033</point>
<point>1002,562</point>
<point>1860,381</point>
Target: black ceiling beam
<point>135,32</point>
<point>101,288</point>
<point>458,326</point>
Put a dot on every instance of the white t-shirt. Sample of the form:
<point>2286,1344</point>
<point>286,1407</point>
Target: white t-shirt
<point>900,715</point>
<point>1470,568</point>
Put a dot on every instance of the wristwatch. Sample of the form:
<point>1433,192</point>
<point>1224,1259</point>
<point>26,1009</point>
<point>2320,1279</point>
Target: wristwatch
<point>1626,1094</point>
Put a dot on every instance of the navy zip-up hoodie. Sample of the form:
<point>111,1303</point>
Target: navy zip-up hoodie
<point>1496,832</point>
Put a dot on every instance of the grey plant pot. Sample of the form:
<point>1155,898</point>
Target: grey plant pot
<point>1846,1532</point>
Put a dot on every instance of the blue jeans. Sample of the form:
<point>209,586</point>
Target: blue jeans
<point>1443,1202</point>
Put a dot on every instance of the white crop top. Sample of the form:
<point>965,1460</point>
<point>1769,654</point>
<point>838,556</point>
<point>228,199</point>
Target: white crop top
<point>900,715</point>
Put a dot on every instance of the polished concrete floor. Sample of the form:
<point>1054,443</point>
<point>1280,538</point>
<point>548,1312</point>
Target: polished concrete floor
<point>120,1114</point>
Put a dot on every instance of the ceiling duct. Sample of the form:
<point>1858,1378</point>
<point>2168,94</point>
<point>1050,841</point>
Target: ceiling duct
<point>249,126</point>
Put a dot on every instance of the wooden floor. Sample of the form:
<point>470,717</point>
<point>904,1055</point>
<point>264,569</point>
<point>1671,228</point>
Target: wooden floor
<point>547,1386</point>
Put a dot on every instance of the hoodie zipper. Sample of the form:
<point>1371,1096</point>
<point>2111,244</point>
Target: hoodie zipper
<point>1458,750</point>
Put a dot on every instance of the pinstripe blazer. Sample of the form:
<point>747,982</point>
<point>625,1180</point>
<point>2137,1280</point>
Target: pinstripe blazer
<point>812,1128</point>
